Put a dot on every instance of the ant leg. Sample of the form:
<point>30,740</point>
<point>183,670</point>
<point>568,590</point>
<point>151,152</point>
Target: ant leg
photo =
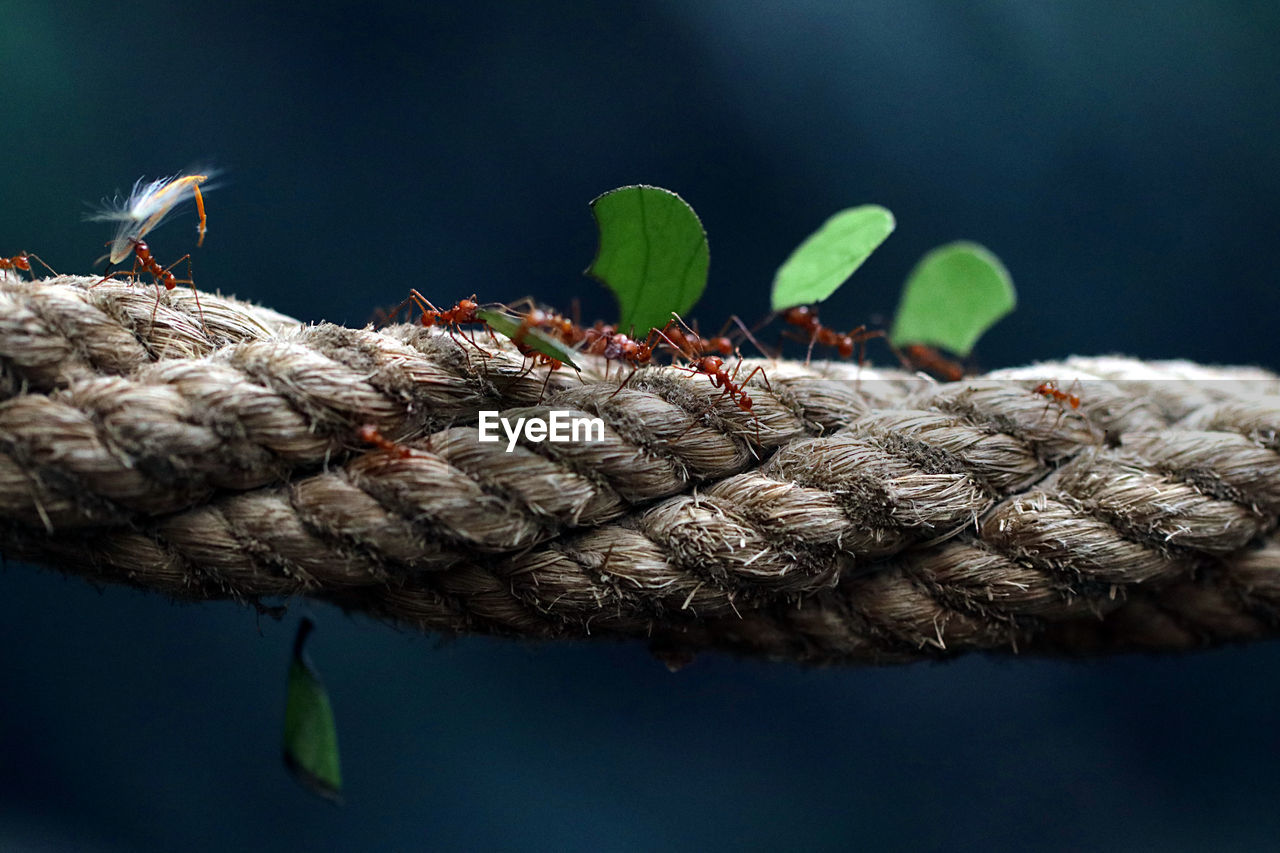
<point>624,382</point>
<point>675,350</point>
<point>758,369</point>
<point>733,318</point>
<point>861,335</point>
<point>386,318</point>
<point>194,290</point>
<point>471,339</point>
<point>133,274</point>
<point>28,255</point>
<point>527,301</point>
<point>545,382</point>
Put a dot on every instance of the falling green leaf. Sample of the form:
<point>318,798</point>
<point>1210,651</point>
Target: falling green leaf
<point>954,294</point>
<point>824,261</point>
<point>310,736</point>
<point>653,255</point>
<point>506,324</point>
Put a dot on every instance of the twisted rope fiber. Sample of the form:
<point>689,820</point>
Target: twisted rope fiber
<point>962,518</point>
<point>106,451</point>
<point>1034,527</point>
<point>57,330</point>
<point>1106,521</point>
<point>477,496</point>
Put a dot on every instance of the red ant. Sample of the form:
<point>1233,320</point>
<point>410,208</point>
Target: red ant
<point>612,345</point>
<point>536,318</point>
<point>463,312</point>
<point>163,276</point>
<point>22,262</point>
<point>615,346</point>
<point>451,319</point>
<point>370,434</point>
<point>1050,392</point>
<point>928,359</point>
<point>806,318</point>
<point>567,330</point>
<point>712,366</point>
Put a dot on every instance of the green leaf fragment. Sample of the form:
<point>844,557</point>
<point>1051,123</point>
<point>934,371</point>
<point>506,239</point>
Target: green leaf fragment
<point>310,736</point>
<point>952,297</point>
<point>536,339</point>
<point>653,255</point>
<point>825,260</point>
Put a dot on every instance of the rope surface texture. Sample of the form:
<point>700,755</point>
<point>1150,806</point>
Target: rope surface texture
<point>853,515</point>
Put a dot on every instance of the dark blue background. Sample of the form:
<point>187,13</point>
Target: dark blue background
<point>1120,158</point>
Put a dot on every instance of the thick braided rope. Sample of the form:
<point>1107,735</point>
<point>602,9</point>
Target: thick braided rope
<point>971,516</point>
<point>57,330</point>
<point>915,473</point>
<point>106,451</point>
<point>1151,511</point>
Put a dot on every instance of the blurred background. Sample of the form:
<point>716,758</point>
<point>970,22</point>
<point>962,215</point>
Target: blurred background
<point>1119,158</point>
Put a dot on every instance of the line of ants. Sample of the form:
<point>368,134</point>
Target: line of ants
<point>150,203</point>
<point>701,355</point>
<point>705,356</point>
<point>686,348</point>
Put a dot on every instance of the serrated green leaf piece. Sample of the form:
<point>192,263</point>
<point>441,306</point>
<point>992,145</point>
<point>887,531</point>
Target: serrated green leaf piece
<point>952,297</point>
<point>505,324</point>
<point>825,260</point>
<point>653,255</point>
<point>310,736</point>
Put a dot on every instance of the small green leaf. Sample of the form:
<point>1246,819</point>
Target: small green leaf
<point>825,260</point>
<point>954,294</point>
<point>310,736</point>
<point>505,324</point>
<point>653,255</point>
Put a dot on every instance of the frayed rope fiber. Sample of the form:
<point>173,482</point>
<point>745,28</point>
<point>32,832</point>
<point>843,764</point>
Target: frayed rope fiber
<point>851,516</point>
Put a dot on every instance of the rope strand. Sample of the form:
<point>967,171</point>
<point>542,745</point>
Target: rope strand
<point>849,516</point>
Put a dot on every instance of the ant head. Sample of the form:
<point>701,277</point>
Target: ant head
<point>367,433</point>
<point>744,402</point>
<point>710,364</point>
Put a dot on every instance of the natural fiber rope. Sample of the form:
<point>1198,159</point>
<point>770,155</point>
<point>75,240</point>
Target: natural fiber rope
<point>64,328</point>
<point>971,516</point>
